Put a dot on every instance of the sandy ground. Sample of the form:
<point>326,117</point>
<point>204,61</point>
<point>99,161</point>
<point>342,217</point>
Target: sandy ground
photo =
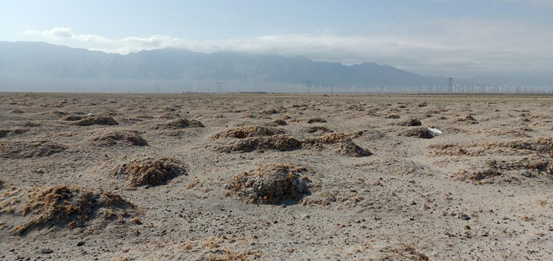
<point>479,191</point>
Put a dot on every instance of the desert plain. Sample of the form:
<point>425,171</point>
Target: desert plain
<point>275,177</point>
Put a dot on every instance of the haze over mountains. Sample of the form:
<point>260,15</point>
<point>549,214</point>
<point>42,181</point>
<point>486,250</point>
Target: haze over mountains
<point>36,66</point>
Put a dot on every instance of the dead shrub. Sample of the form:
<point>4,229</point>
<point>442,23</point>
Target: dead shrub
<point>66,207</point>
<point>347,146</point>
<point>280,142</point>
<point>149,171</point>
<point>95,120</point>
<point>106,139</point>
<point>246,132</point>
<point>29,149</point>
<point>319,129</point>
<point>271,184</point>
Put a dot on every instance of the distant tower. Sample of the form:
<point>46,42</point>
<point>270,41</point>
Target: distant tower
<point>157,87</point>
<point>450,88</point>
<point>218,87</point>
<point>308,84</point>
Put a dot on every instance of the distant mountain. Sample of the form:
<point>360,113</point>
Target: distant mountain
<point>34,63</point>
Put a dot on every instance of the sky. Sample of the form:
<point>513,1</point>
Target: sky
<point>431,37</point>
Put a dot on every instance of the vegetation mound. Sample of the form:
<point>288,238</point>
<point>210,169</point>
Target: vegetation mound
<point>271,184</point>
<point>280,142</point>
<point>106,139</point>
<point>64,206</point>
<point>149,171</point>
<point>245,132</point>
<point>180,124</point>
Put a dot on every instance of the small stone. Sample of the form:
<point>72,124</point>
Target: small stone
<point>463,216</point>
<point>46,251</point>
<point>81,243</point>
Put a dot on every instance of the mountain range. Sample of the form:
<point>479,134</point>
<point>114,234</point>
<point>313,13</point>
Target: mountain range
<point>38,66</point>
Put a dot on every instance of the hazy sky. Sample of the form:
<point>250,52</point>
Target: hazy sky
<point>439,37</point>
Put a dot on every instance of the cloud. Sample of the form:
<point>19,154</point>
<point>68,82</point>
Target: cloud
<point>454,47</point>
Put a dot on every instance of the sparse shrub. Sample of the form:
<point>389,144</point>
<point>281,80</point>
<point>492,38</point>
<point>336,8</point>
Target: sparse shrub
<point>149,171</point>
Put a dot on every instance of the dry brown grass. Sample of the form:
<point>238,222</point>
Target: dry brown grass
<point>68,207</point>
<point>29,149</point>
<point>149,171</point>
<point>106,139</point>
<point>271,184</point>
<point>246,132</point>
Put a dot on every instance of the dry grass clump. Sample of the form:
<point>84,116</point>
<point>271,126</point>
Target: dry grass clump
<point>68,207</point>
<point>280,142</point>
<point>347,146</point>
<point>411,123</point>
<point>149,171</point>
<point>106,139</point>
<point>180,124</point>
<point>95,120</point>
<point>271,184</point>
<point>541,145</point>
<point>29,149</point>
<point>246,132</point>
<point>420,132</point>
<point>538,164</point>
<point>71,117</point>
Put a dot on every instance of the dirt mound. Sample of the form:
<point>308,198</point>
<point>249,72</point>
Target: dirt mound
<point>271,184</point>
<point>280,142</point>
<point>2,184</point>
<point>246,132</point>
<point>91,120</point>
<point>347,146</point>
<point>29,149</point>
<point>180,124</point>
<point>106,139</point>
<point>392,116</point>
<point>71,117</point>
<point>64,206</point>
<point>149,171</point>
<point>422,133</point>
<point>411,123</point>
<point>478,176</point>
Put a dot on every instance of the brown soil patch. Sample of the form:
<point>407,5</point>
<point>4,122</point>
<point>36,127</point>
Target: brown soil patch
<point>65,207</point>
<point>149,171</point>
<point>29,149</point>
<point>271,184</point>
<point>411,123</point>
